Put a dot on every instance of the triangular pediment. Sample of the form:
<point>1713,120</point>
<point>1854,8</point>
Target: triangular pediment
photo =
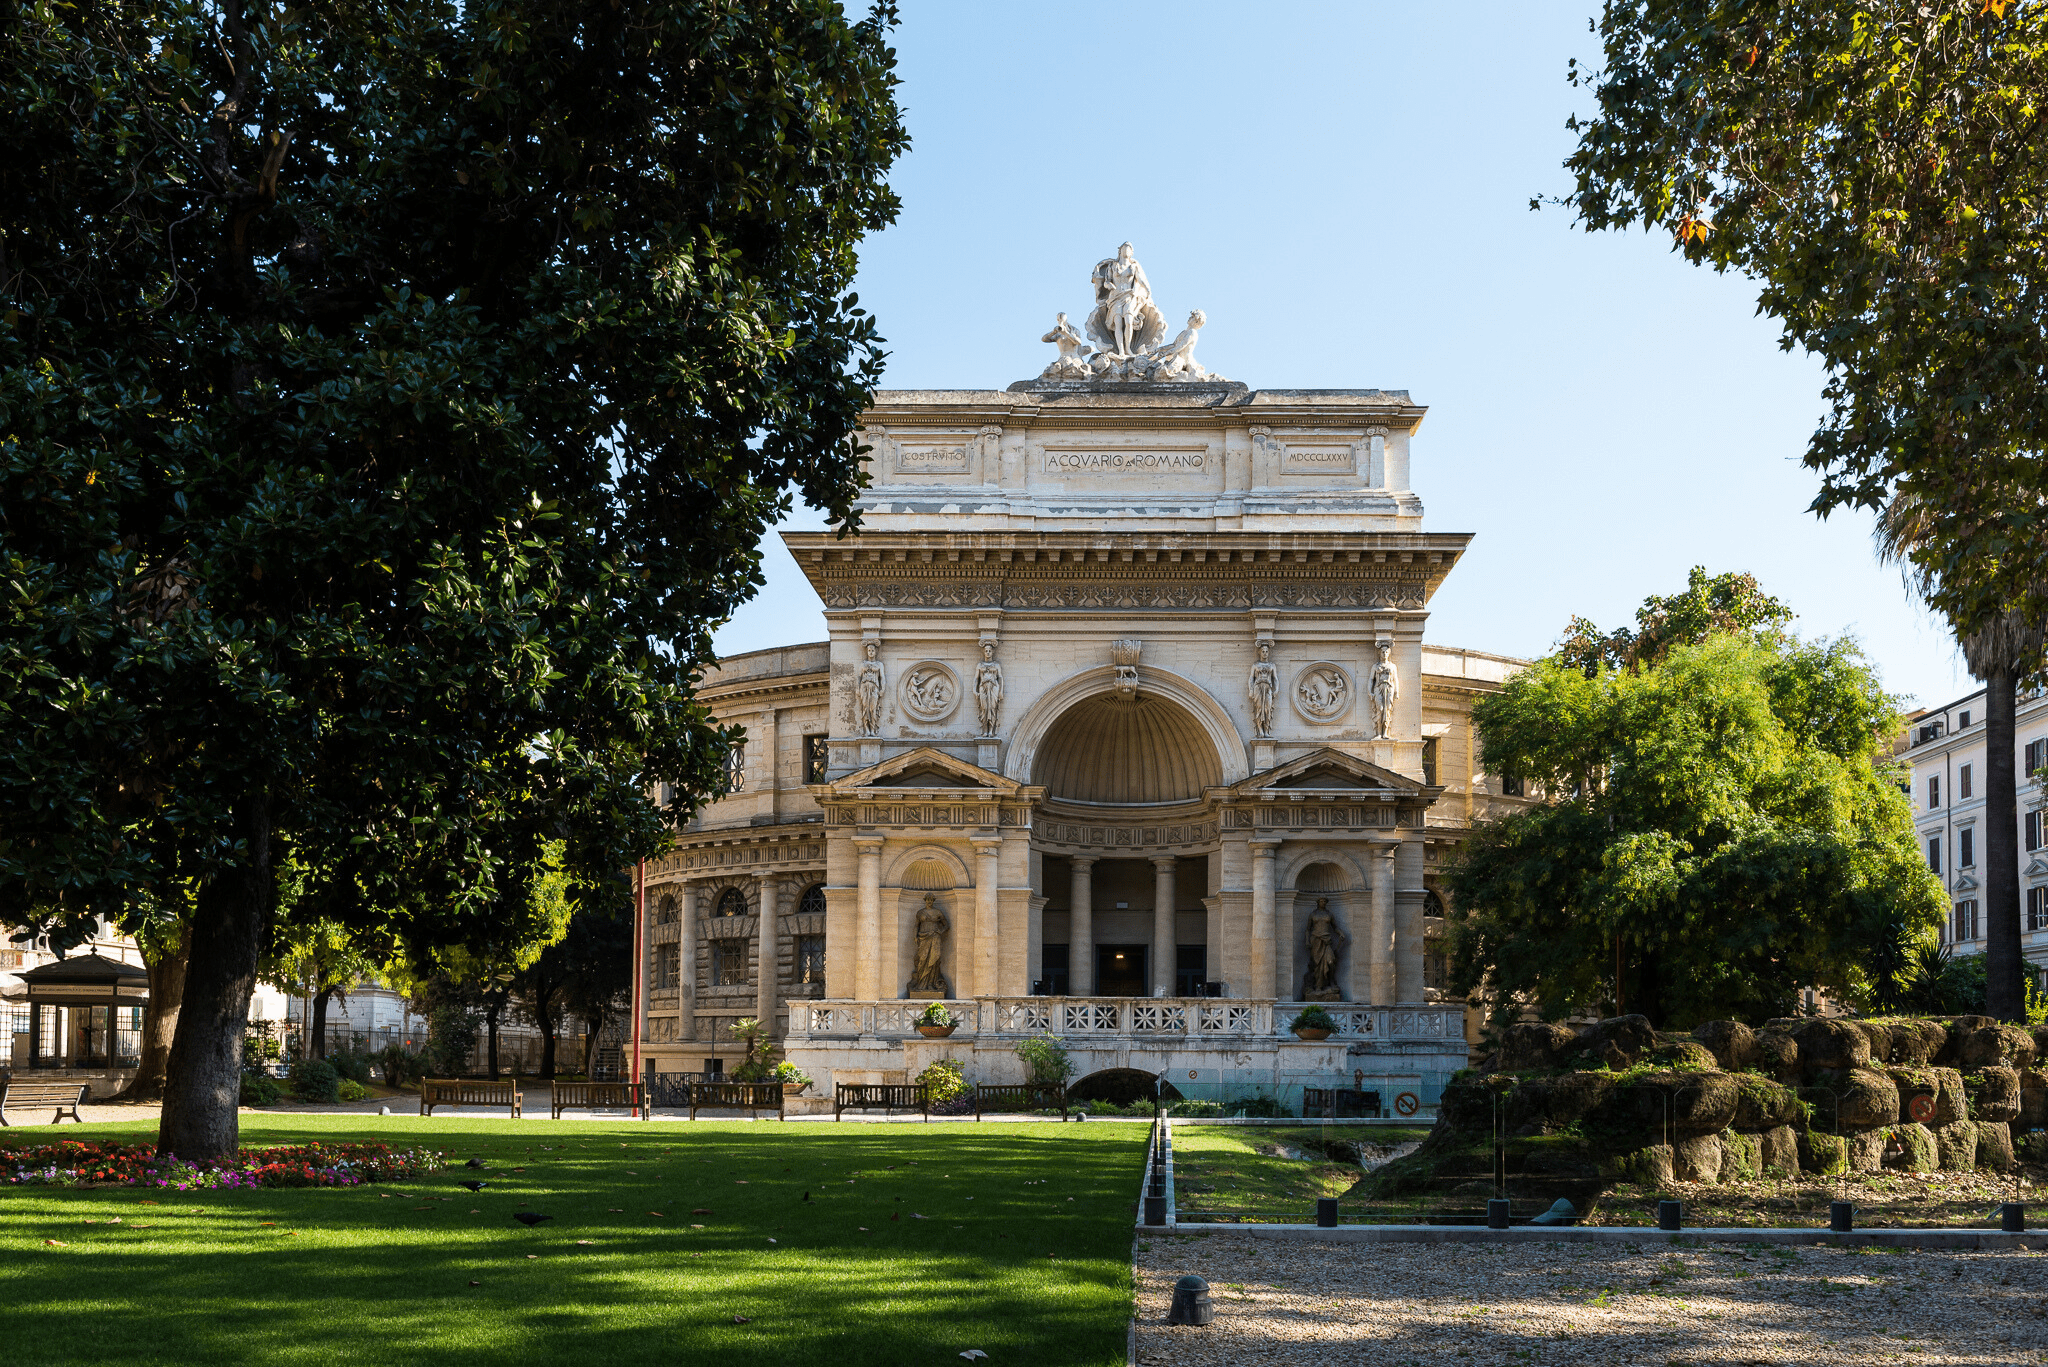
<point>1329,770</point>
<point>2037,866</point>
<point>1965,883</point>
<point>925,767</point>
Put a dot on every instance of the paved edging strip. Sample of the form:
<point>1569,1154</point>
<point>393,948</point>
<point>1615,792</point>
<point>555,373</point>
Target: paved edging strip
<point>1627,1234</point>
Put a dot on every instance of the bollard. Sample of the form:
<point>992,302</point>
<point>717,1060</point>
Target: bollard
<point>1191,1303</point>
<point>1497,1214</point>
<point>1326,1212</point>
<point>1671,1215</point>
<point>1841,1217</point>
<point>2012,1217</point>
<point>1155,1210</point>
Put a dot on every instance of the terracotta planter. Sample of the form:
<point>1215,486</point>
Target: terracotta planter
<point>1310,1032</point>
<point>794,1088</point>
<point>936,1031</point>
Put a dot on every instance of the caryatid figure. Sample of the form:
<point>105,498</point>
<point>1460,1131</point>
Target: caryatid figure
<point>988,690</point>
<point>867,695</point>
<point>1262,689</point>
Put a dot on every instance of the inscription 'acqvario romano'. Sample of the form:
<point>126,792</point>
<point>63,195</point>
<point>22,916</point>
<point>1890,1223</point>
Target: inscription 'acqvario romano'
<point>1118,462</point>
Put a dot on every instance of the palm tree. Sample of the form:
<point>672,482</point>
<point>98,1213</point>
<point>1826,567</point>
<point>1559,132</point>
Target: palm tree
<point>1999,652</point>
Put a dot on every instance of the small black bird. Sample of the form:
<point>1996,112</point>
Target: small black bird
<point>474,1163</point>
<point>527,1217</point>
<point>473,1186</point>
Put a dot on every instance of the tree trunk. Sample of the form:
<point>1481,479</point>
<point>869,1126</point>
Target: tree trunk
<point>591,1025</point>
<point>160,1021</point>
<point>491,1024</point>
<point>202,1085</point>
<point>2005,993</point>
<point>320,1000</point>
<point>544,1016</point>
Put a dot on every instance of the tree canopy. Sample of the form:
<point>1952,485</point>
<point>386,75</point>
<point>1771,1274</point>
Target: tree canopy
<point>394,396</point>
<point>1731,602</point>
<point>1721,834</point>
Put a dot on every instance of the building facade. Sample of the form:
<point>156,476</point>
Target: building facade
<point>1944,748</point>
<point>1126,731</point>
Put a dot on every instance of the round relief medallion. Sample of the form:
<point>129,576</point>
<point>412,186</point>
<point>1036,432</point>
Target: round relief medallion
<point>1322,692</point>
<point>930,691</point>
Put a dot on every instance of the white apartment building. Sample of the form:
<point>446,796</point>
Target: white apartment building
<point>1945,747</point>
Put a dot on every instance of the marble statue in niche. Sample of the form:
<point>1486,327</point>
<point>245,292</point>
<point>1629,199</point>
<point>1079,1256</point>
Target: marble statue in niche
<point>1325,942</point>
<point>1385,691</point>
<point>867,694</point>
<point>931,929</point>
<point>988,690</point>
<point>1264,685</point>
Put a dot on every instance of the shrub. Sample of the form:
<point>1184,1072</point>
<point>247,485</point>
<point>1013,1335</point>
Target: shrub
<point>755,1068</point>
<point>944,1080</point>
<point>400,1065</point>
<point>1264,1107</point>
<point>1313,1017</point>
<point>451,1039</point>
<point>788,1073</point>
<point>314,1079</point>
<point>350,1090</point>
<point>1046,1056</point>
<point>1192,1109</point>
<point>936,1014</point>
<point>258,1090</point>
<point>351,1064</point>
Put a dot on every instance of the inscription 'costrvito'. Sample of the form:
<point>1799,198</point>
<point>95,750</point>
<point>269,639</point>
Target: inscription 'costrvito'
<point>1069,462</point>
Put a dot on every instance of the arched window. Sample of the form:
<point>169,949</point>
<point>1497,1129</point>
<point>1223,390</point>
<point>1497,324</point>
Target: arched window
<point>1432,905</point>
<point>812,903</point>
<point>732,902</point>
<point>665,911</point>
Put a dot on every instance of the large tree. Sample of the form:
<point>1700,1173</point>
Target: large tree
<point>1881,170</point>
<point>1720,834</point>
<point>394,397</point>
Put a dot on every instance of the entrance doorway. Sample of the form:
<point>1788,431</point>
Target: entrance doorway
<point>1120,971</point>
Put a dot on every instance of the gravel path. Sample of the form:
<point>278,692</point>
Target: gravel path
<point>1395,1304</point>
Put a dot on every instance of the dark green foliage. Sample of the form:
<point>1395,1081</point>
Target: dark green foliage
<point>451,1040</point>
<point>258,1090</point>
<point>1725,603</point>
<point>400,1065</point>
<point>395,395</point>
<point>314,1079</point>
<point>1720,827</point>
<point>352,1064</point>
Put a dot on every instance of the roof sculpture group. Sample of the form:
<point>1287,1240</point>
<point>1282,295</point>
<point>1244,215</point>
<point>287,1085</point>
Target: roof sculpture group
<point>1128,327</point>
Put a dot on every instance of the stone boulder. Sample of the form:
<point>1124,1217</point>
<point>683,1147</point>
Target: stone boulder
<point>2040,1034</point>
<point>1775,1054</point>
<point>1742,1157</point>
<point>1915,1043</point>
<point>1960,1029</point>
<point>1687,1056</point>
<point>1761,1104</point>
<point>2034,1099</point>
<point>1824,1155</point>
<point>1913,1148</point>
<point>1648,1166</point>
<point>1852,1100</point>
<point>1879,1033</point>
<point>1992,1046</point>
<point>1570,1097</point>
<point>1942,1088</point>
<point>1867,1150</point>
<point>1831,1046</point>
<point>1732,1043</point>
<point>1780,1150</point>
<point>1994,1147</point>
<point>1697,1158</point>
<point>1466,1104</point>
<point>1529,1046</point>
<point>1994,1095</point>
<point>1641,1108</point>
<point>1617,1042</point>
<point>1957,1143</point>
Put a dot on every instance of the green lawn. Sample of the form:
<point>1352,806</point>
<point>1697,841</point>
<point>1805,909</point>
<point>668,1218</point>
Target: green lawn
<point>1248,1170</point>
<point>1024,1251</point>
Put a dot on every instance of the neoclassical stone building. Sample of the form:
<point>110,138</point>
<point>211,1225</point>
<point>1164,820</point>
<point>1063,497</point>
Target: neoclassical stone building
<point>1126,731</point>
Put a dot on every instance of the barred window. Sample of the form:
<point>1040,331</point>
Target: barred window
<point>736,768</point>
<point>667,967</point>
<point>1511,785</point>
<point>665,911</point>
<point>728,963</point>
<point>817,758</point>
<point>812,903</point>
<point>732,902</point>
<point>810,958</point>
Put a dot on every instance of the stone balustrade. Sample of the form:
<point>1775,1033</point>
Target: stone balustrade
<point>1195,1019</point>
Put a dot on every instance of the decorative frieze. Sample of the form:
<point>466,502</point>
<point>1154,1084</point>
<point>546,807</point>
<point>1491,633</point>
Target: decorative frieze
<point>1150,592</point>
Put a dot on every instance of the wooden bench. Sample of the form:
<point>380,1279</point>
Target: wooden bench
<point>1336,1101</point>
<point>1022,1096</point>
<point>459,1091</point>
<point>64,1098</point>
<point>737,1096</point>
<point>590,1096</point>
<point>881,1096</point>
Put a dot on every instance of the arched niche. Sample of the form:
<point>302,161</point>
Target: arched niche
<point>1039,720</point>
<point>1325,877</point>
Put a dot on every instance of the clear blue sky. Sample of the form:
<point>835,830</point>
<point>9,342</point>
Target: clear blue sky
<point>1344,189</point>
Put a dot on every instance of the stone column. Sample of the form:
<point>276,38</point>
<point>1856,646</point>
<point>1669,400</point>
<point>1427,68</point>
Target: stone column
<point>1081,927</point>
<point>767,950</point>
<point>1408,935</point>
<point>988,878</point>
<point>1163,936</point>
<point>868,951</point>
<point>1381,951</point>
<point>686,956</point>
<point>1263,959</point>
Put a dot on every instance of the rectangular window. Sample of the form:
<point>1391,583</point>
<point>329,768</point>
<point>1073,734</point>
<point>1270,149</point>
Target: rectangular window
<point>1934,792</point>
<point>667,967</point>
<point>1964,927</point>
<point>2033,828</point>
<point>817,758</point>
<point>810,959</point>
<point>1966,848</point>
<point>1190,969</point>
<point>1934,853</point>
<point>1510,785</point>
<point>728,963</point>
<point>1963,784</point>
<point>736,768</point>
<point>1429,749</point>
<point>1965,720</point>
<point>2037,908</point>
<point>715,1067</point>
<point>1053,962</point>
<point>2037,757</point>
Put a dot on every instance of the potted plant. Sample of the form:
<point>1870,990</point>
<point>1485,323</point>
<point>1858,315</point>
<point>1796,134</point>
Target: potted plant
<point>792,1078</point>
<point>1313,1023</point>
<point>936,1022</point>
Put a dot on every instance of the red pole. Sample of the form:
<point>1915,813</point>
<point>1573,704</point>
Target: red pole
<point>639,962</point>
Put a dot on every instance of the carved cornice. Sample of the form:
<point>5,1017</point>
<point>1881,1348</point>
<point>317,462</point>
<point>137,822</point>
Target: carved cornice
<point>760,851</point>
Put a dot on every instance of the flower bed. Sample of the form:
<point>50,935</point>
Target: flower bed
<point>74,1163</point>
